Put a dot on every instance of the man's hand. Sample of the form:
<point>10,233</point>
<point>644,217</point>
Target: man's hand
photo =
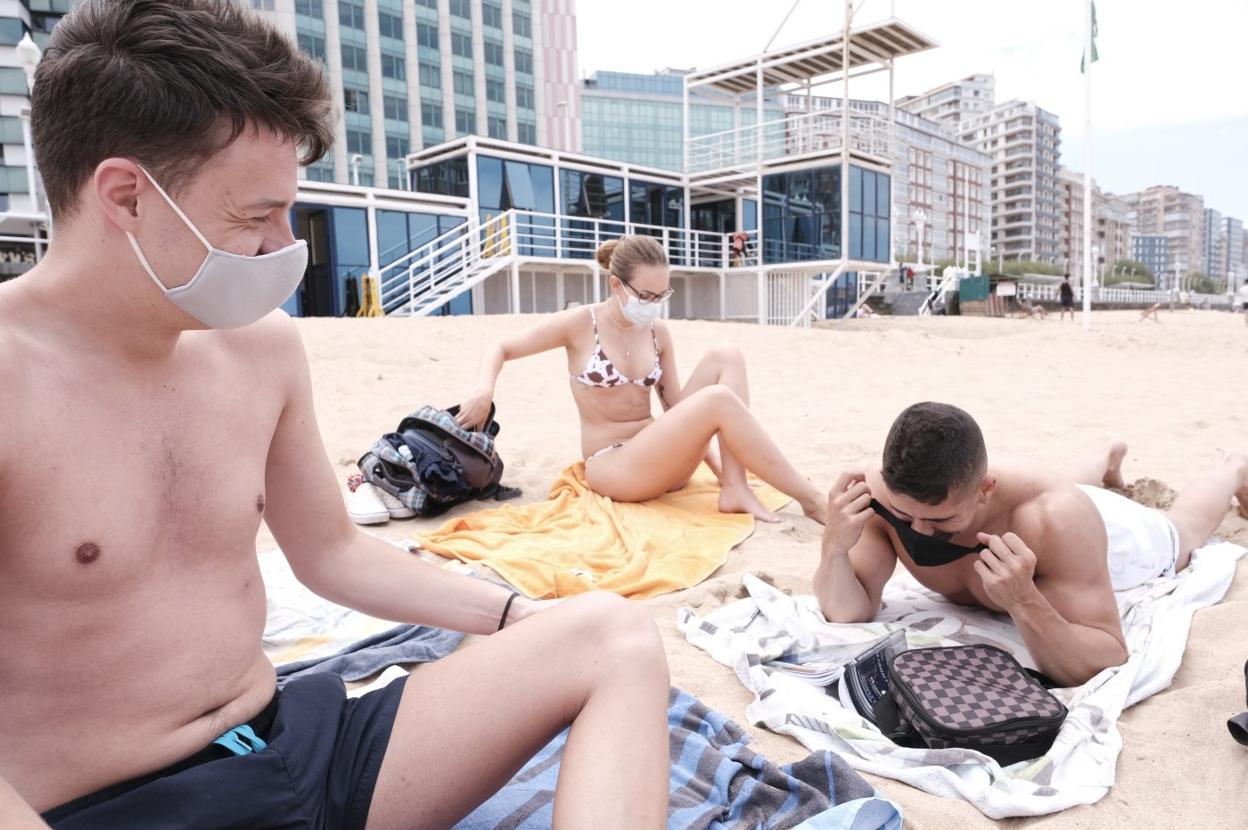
<point>1008,569</point>
<point>849,508</point>
<point>523,608</point>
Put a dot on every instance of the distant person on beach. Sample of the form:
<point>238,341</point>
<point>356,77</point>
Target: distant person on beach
<point>618,352</point>
<point>1067,295</point>
<point>1151,311</point>
<point>1010,535</point>
<point>156,409</point>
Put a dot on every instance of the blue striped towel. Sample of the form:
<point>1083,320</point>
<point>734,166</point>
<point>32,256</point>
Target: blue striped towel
<point>717,783</point>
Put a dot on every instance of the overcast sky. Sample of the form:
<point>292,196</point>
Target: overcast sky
<point>1170,94</point>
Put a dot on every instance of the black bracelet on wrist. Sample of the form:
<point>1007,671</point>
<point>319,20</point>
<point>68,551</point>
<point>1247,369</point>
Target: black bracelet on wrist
<point>502,621</point>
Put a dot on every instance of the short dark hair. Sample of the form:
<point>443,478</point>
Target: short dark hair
<point>168,83</point>
<point>933,450</point>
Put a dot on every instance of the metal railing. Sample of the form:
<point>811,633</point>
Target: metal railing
<point>435,273</point>
<point>796,135</point>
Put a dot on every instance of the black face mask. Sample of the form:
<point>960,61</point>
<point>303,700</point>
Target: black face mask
<point>926,551</point>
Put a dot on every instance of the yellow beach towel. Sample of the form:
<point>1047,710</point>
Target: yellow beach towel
<point>580,541</point>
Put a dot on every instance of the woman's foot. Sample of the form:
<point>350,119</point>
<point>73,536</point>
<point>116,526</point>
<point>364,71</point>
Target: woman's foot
<point>1113,466</point>
<point>741,499</point>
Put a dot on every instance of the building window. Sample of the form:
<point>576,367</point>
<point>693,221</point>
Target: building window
<point>463,83</point>
<point>444,178</point>
<point>462,8</point>
<point>461,44</point>
<point>521,25</point>
<point>397,147</point>
<point>524,97</point>
<point>495,91</point>
<point>395,107</point>
<point>428,4</point>
<point>498,126</point>
<point>802,215</point>
<point>390,25</point>
<point>310,8</point>
<point>868,215</point>
<point>355,100</point>
<point>526,133</point>
<point>427,35</point>
<point>430,76</point>
<point>354,57</point>
<point>492,15</point>
<point>314,46</point>
<point>430,114</point>
<point>524,61</point>
<point>264,5</point>
<point>465,121</point>
<point>351,15</point>
<point>360,141</point>
<point>392,66</point>
<point>493,53</point>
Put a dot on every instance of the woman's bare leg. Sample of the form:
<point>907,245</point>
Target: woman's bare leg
<point>1104,470</point>
<point>726,365</point>
<point>670,449</point>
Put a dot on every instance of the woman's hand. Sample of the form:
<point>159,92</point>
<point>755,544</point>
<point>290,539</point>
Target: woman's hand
<point>474,411</point>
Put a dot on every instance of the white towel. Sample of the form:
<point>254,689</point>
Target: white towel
<point>1078,769</point>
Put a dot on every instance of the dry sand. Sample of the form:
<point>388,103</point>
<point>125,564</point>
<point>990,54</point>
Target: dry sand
<point>1176,392</point>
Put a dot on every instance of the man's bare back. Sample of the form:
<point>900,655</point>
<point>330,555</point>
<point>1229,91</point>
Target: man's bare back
<point>130,594</point>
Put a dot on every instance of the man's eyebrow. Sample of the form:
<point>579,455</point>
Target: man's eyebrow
<point>267,204</point>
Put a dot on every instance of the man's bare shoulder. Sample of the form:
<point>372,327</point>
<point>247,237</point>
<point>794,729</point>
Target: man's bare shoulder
<point>1060,525</point>
<point>271,345</point>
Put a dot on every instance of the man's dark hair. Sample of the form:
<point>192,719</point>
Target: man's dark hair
<point>933,450</point>
<point>168,83</point>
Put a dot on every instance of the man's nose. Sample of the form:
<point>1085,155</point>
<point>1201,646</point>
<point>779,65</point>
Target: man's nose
<point>280,236</point>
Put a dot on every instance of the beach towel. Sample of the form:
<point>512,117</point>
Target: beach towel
<point>769,626</point>
<point>305,633</point>
<point>717,783</point>
<point>579,541</point>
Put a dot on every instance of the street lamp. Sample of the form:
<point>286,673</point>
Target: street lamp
<point>920,219</point>
<point>28,54</point>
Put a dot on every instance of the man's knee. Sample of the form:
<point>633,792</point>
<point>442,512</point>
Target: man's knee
<point>623,632</point>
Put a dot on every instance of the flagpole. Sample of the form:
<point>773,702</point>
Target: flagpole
<point>1087,173</point>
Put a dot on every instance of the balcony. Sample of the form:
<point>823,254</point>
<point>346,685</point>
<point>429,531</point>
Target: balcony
<point>797,135</point>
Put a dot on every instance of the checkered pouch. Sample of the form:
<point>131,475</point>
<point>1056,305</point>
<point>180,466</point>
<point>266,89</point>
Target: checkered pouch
<point>975,697</point>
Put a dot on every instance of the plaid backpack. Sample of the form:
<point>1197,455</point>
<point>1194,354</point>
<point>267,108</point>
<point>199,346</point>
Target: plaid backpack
<point>971,697</point>
<point>1239,724</point>
<point>431,463</point>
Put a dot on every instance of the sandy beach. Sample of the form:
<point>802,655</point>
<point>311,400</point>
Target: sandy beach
<point>1175,392</point>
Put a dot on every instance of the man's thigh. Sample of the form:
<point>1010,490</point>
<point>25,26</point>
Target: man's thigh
<point>467,723</point>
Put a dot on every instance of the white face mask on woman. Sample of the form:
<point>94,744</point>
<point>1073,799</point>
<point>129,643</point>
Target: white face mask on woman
<point>231,290</point>
<point>640,313</point>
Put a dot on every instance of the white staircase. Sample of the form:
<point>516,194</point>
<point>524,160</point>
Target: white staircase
<point>436,273</point>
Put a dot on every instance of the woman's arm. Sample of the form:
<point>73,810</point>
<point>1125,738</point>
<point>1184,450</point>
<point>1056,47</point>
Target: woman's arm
<point>554,331</point>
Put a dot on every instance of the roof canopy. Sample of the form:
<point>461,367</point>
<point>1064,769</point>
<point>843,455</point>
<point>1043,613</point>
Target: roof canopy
<point>875,44</point>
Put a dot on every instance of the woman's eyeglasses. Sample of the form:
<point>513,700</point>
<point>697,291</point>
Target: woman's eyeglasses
<point>649,296</point>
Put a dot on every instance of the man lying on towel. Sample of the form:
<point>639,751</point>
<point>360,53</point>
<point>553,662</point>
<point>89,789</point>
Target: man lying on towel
<point>1011,536</point>
<point>153,410</point>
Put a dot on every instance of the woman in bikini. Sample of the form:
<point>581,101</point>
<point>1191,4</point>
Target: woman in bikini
<point>618,351</point>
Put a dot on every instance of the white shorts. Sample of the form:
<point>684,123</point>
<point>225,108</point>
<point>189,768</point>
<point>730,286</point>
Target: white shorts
<point>1143,542</point>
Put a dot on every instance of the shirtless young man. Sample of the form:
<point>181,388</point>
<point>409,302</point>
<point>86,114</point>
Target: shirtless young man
<point>153,412</point>
<point>1011,536</point>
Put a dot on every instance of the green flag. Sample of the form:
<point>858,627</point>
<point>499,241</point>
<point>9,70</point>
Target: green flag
<point>1095,56</point>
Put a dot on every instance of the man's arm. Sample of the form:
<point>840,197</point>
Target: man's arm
<point>857,558</point>
<point>15,813</point>
<point>305,511</point>
<point>1069,621</point>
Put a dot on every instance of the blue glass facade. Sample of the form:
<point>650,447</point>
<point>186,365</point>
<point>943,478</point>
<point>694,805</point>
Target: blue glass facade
<point>802,215</point>
<point>504,185</point>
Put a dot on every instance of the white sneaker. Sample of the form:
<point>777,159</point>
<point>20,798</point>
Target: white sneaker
<point>365,506</point>
<point>396,508</point>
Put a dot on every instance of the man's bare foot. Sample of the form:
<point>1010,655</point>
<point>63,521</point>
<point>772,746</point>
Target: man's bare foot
<point>736,499</point>
<point>815,507</point>
<point>1113,466</point>
<point>1240,460</point>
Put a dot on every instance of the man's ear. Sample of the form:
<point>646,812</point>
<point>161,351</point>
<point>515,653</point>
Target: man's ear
<point>115,187</point>
<point>987,487</point>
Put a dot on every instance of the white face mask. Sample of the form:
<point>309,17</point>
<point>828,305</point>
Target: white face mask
<point>639,313</point>
<point>231,290</point>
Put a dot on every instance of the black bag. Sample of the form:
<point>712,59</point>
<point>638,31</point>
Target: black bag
<point>432,463</point>
<point>971,697</point>
<point>1239,724</point>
